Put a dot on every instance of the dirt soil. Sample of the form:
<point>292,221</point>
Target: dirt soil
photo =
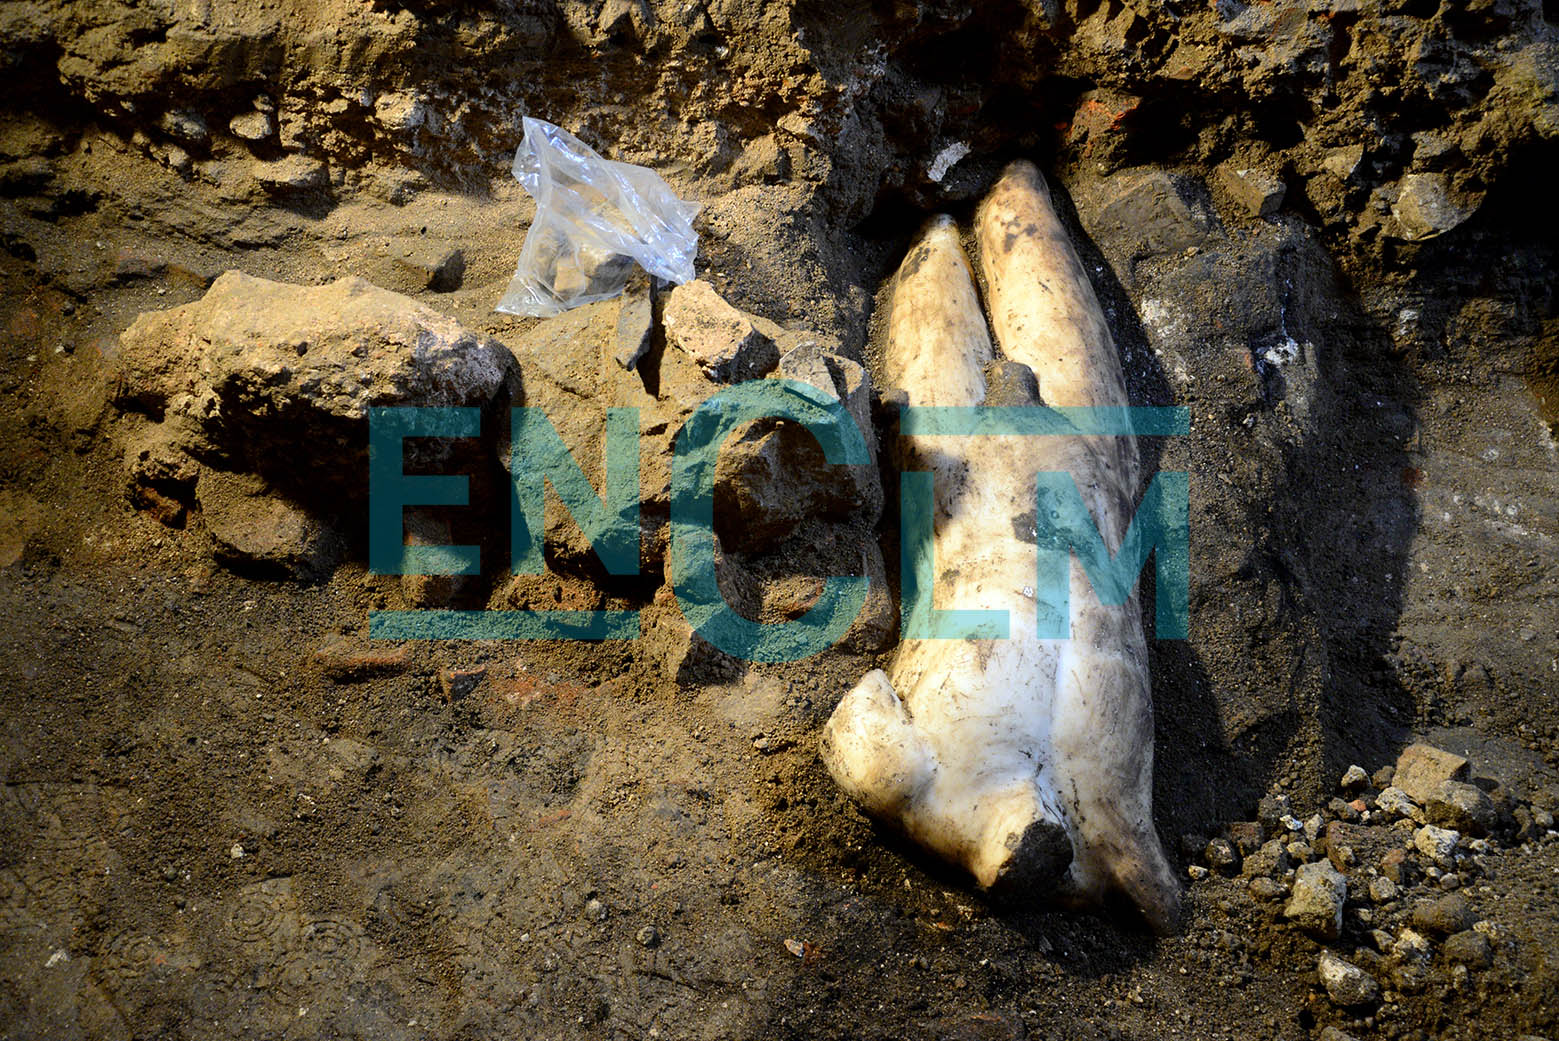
<point>1325,228</point>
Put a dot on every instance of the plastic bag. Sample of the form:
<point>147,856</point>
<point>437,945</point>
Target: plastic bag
<point>594,219</point>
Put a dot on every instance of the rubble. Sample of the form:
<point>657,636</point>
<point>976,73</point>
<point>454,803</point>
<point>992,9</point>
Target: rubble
<point>1438,844</point>
<point>1470,948</point>
<point>432,265</point>
<point>635,322</point>
<point>1421,768</point>
<point>1270,859</point>
<point>1316,903</point>
<point>1411,956</point>
<point>253,126</point>
<point>1346,984</point>
<point>1394,802</point>
<point>774,475</point>
<point>1382,890</point>
<point>1461,807</point>
<point>1146,209</point>
<point>269,371</point>
<point>1448,914</point>
<point>255,529</point>
<point>294,173</point>
<point>1257,191</point>
<point>1427,206</point>
<point>1353,779</point>
<point>725,342</point>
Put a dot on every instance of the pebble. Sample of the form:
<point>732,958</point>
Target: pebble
<point>187,127</point>
<point>437,266</point>
<point>1247,836</point>
<point>293,173</point>
<point>458,683</point>
<point>1265,888</point>
<point>635,323</point>
<point>595,910</point>
<point>649,937</point>
<point>1353,779</point>
<point>1427,206</point>
<point>1271,810</point>
<point>1412,953</point>
<point>1469,948</point>
<point>1382,890</point>
<point>1259,192</point>
<point>1448,914</point>
<point>252,126</point>
<point>1333,1034</point>
<point>1316,903</point>
<point>1267,861</point>
<point>1221,855</point>
<point>1300,852</point>
<point>1313,827</point>
<point>1341,856</point>
<point>1346,984</point>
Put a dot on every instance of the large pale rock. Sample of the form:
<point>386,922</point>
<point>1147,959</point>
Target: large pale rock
<point>1421,768</point>
<point>1438,844</point>
<point>1428,206</point>
<point>269,371</point>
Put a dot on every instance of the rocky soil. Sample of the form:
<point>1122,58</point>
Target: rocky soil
<point>231,228</point>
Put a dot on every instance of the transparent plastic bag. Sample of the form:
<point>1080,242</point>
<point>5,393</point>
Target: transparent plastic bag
<point>594,219</point>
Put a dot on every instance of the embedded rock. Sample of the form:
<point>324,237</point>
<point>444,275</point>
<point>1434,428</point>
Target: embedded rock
<point>295,173</point>
<point>724,341</point>
<point>1346,984</point>
<point>775,475</point>
<point>284,375</point>
<point>1258,192</point>
<point>1427,206</point>
<point>1462,807</point>
<point>253,529</point>
<point>1317,900</point>
<point>1469,948</point>
<point>1447,915</point>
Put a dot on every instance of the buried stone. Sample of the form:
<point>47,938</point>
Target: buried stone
<point>260,392</point>
<point>1316,904</point>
